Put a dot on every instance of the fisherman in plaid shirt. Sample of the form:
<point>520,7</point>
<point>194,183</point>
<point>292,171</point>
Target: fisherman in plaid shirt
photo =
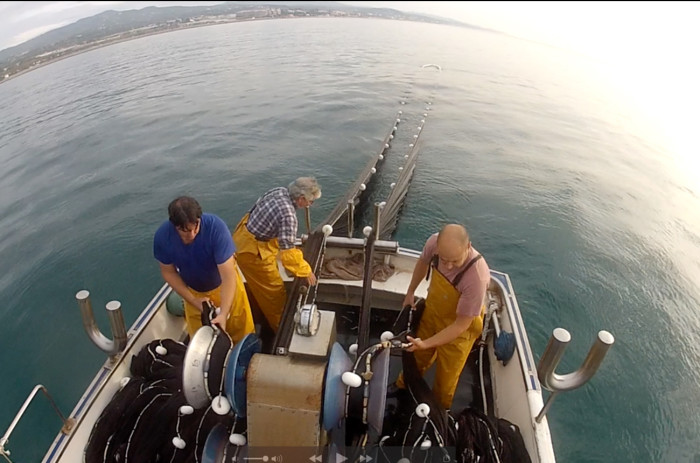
<point>269,230</point>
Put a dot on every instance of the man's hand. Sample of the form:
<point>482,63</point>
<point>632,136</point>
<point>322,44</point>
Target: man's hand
<point>415,344</point>
<point>199,302</point>
<point>220,320</point>
<point>311,279</point>
<point>409,300</point>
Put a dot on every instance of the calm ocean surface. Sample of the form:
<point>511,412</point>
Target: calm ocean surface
<point>563,184</point>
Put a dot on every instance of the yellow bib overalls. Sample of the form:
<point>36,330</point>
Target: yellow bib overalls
<point>258,262</point>
<point>240,319</point>
<point>440,312</point>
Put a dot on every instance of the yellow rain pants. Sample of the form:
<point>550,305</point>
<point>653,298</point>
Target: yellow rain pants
<point>258,262</point>
<point>440,312</point>
<point>240,319</point>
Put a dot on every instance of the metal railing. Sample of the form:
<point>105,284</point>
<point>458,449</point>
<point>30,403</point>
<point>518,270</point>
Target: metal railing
<point>68,423</point>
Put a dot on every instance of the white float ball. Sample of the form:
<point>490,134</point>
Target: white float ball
<point>386,336</point>
<point>178,442</point>
<point>367,230</point>
<point>353,349</point>
<point>351,379</point>
<point>422,410</point>
<point>237,439</point>
<point>426,444</point>
<point>363,187</point>
<point>373,170</point>
<point>160,350</point>
<point>381,156</point>
<point>186,410</point>
<point>327,229</point>
<point>220,405</point>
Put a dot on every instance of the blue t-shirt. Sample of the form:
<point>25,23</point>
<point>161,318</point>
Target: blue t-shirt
<point>196,262</point>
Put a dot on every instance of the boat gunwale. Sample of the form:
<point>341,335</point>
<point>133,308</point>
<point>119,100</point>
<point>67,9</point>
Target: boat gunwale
<point>61,441</point>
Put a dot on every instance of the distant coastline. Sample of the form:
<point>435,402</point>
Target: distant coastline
<point>126,38</point>
<point>31,60</point>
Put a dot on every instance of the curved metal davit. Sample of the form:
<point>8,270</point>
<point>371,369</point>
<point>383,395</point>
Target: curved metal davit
<point>111,347</point>
<point>553,353</point>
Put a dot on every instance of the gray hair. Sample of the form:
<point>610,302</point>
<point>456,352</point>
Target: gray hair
<point>307,187</point>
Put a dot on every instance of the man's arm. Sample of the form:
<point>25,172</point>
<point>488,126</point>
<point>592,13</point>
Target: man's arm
<point>227,270</point>
<point>293,261</point>
<point>444,336</point>
<point>419,272</point>
<point>174,279</point>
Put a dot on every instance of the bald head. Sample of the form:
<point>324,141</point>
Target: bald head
<point>455,233</point>
<point>453,245</point>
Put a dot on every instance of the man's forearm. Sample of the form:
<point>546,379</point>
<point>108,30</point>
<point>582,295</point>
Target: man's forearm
<point>179,286</point>
<point>419,272</point>
<point>228,285</point>
<point>449,333</point>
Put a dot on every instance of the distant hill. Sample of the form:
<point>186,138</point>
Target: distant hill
<point>116,25</point>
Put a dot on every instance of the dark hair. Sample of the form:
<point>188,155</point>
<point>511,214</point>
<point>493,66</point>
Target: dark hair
<point>183,211</point>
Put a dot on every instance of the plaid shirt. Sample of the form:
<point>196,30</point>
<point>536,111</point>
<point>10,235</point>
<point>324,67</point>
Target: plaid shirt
<point>274,216</point>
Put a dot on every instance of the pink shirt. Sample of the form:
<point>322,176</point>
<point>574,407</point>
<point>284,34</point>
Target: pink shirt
<point>472,286</point>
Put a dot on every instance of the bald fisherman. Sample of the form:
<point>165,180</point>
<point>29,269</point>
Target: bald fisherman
<point>454,308</point>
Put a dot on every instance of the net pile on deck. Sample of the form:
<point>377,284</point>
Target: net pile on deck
<point>149,419</point>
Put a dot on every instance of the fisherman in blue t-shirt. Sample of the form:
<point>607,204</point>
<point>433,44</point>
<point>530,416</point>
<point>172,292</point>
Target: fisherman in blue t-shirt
<point>195,251</point>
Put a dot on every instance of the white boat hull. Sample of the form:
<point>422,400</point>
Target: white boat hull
<point>517,395</point>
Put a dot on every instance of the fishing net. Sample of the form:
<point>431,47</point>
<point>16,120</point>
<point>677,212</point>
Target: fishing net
<point>139,423</point>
